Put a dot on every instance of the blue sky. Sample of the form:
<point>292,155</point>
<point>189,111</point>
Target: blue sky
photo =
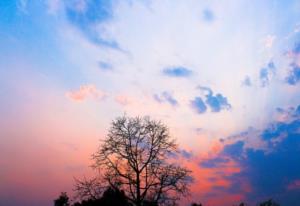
<point>224,76</point>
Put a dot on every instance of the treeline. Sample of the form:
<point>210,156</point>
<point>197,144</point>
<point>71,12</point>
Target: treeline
<point>114,197</point>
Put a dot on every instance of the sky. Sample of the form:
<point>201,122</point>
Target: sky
<point>223,75</point>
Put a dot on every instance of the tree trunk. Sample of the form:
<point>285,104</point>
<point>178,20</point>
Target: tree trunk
<point>138,190</point>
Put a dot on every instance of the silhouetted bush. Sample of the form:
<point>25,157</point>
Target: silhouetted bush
<point>241,204</point>
<point>195,204</point>
<point>269,203</point>
<point>63,200</point>
<point>110,197</point>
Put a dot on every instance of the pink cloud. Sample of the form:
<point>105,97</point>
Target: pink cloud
<point>294,56</point>
<point>294,185</point>
<point>123,100</point>
<point>269,41</point>
<point>86,91</point>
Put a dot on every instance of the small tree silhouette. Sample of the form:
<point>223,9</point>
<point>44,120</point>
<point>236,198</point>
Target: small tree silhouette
<point>269,202</point>
<point>113,197</point>
<point>110,197</point>
<point>241,204</point>
<point>63,200</point>
<point>195,204</point>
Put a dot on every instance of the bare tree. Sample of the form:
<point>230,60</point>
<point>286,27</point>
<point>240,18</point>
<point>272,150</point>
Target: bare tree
<point>134,158</point>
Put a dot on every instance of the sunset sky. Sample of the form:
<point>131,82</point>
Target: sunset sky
<point>223,75</point>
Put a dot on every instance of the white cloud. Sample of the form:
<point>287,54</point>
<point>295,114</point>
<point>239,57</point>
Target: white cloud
<point>269,41</point>
<point>154,35</point>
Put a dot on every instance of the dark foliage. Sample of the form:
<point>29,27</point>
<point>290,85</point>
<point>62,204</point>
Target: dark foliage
<point>62,200</point>
<point>269,203</point>
<point>111,197</point>
<point>195,204</point>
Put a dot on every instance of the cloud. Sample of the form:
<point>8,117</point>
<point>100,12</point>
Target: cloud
<point>295,185</point>
<point>234,149</point>
<point>105,66</point>
<point>216,103</point>
<point>89,17</point>
<point>182,154</point>
<point>229,152</point>
<point>79,6</point>
<point>271,172</point>
<point>247,82</point>
<point>207,90</point>
<point>199,130</point>
<point>263,75</point>
<point>297,111</point>
<point>277,129</point>
<point>215,162</point>
<point>185,154</point>
<point>123,100</point>
<point>198,105</point>
<point>165,97</point>
<point>294,75</point>
<point>283,114</point>
<point>266,73</point>
<point>208,15</point>
<point>269,41</point>
<point>86,91</point>
<point>84,13</point>
<point>296,49</point>
<point>177,71</point>
<point>294,52</point>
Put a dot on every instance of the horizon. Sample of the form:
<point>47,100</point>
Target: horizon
<point>223,76</point>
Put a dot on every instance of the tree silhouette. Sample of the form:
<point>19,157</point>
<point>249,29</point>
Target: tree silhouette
<point>133,158</point>
<point>269,203</point>
<point>110,197</point>
<point>241,204</point>
<point>195,204</point>
<point>63,200</point>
